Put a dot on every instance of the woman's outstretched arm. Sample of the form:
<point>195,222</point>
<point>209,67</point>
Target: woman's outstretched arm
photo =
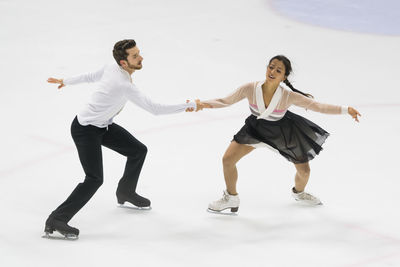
<point>309,103</point>
<point>239,94</point>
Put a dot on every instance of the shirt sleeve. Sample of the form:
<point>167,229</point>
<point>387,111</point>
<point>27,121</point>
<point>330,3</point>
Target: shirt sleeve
<point>89,77</point>
<point>137,97</point>
<point>309,103</point>
<point>231,99</point>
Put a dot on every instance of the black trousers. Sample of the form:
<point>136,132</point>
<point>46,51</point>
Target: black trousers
<point>88,141</point>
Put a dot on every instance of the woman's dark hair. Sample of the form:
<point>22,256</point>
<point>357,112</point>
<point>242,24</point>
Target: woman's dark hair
<point>119,51</point>
<point>288,70</point>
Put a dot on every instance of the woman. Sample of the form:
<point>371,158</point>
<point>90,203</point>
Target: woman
<point>271,124</point>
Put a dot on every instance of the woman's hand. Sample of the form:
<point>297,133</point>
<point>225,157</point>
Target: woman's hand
<point>58,81</point>
<point>201,105</point>
<point>354,113</point>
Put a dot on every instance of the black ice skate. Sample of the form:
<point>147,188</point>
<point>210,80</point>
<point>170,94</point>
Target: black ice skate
<point>136,200</point>
<point>67,232</point>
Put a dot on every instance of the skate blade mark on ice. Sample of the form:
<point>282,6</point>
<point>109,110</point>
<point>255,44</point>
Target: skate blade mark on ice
<point>227,211</point>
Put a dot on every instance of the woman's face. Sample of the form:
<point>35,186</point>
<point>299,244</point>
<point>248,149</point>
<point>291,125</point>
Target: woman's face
<point>276,71</point>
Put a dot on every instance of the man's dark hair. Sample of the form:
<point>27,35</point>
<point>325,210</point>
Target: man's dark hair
<point>119,51</point>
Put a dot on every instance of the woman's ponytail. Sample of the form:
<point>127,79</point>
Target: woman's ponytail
<point>295,90</point>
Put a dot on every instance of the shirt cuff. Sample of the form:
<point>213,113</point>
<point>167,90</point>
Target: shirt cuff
<point>345,109</point>
<point>191,105</point>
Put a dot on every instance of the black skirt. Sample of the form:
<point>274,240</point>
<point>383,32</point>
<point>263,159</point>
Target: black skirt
<point>294,137</point>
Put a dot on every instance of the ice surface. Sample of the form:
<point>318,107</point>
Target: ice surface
<point>196,49</point>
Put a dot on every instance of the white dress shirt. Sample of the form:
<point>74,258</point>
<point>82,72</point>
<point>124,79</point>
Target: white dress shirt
<point>114,88</point>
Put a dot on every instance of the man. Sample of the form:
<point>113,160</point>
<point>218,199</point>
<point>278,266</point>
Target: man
<point>93,127</point>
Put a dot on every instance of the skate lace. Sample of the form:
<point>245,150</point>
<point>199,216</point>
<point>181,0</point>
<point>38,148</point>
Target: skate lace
<point>224,199</point>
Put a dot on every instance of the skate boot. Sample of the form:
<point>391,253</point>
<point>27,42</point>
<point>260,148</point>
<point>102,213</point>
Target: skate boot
<point>226,202</point>
<point>68,232</point>
<point>138,201</point>
<point>305,197</point>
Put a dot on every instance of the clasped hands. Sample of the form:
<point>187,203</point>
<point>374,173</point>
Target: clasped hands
<point>199,106</point>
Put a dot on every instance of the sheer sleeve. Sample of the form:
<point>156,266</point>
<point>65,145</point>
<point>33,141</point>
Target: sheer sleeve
<point>240,93</point>
<point>309,103</point>
<point>89,77</point>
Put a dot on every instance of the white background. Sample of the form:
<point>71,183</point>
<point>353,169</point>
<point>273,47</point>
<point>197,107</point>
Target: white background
<point>196,49</point>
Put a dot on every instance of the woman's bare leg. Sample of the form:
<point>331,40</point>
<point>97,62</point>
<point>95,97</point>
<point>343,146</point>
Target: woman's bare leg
<point>302,176</point>
<point>232,155</point>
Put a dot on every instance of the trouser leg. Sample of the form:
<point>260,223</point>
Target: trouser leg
<point>121,141</point>
<point>88,143</point>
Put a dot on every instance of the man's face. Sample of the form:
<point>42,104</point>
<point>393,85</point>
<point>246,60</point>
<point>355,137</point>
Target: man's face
<point>134,59</point>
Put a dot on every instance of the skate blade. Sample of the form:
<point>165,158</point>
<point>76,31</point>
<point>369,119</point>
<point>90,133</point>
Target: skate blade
<point>69,237</point>
<point>132,207</point>
<point>305,203</point>
<point>223,212</point>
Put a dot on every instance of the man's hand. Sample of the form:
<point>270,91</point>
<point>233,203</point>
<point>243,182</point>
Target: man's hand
<point>189,109</point>
<point>199,106</point>
<point>58,81</point>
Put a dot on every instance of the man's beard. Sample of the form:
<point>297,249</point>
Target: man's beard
<point>135,67</point>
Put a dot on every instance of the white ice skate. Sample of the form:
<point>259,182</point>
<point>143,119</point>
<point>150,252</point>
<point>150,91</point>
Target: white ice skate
<point>226,202</point>
<point>306,198</point>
